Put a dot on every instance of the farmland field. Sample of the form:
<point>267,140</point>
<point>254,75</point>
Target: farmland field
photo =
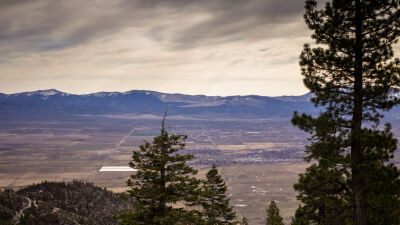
<point>259,159</point>
<point>252,187</point>
<point>148,134</point>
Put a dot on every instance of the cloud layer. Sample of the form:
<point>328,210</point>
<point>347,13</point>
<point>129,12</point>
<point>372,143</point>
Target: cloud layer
<point>215,47</point>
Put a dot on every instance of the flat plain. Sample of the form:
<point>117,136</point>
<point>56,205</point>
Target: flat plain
<point>260,159</point>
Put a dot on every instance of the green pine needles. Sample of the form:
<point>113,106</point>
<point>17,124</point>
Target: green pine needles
<point>164,189</point>
<point>354,77</point>
<point>215,203</point>
<point>273,216</point>
<point>245,221</point>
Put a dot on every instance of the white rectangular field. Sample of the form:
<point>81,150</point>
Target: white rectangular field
<point>116,169</point>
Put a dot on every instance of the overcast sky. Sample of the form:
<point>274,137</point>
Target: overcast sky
<point>212,47</point>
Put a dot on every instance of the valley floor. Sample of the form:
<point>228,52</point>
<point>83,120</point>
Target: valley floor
<point>260,159</point>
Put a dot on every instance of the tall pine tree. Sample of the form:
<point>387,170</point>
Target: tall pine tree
<point>353,75</point>
<point>163,181</point>
<point>273,216</point>
<point>215,203</point>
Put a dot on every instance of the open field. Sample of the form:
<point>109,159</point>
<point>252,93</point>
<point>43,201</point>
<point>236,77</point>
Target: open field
<point>148,134</point>
<point>259,159</point>
<point>252,187</point>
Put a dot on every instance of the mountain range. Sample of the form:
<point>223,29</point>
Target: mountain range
<point>53,102</point>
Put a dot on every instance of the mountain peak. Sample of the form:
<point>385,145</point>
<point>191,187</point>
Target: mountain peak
<point>150,102</point>
<point>47,92</point>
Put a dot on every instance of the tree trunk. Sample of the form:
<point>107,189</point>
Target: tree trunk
<point>356,151</point>
<point>163,183</point>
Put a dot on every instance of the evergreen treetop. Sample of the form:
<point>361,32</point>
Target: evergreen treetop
<point>273,216</point>
<point>215,203</point>
<point>245,221</point>
<point>163,181</point>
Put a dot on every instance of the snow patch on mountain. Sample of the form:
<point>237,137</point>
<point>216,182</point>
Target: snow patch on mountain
<point>104,94</point>
<point>46,93</point>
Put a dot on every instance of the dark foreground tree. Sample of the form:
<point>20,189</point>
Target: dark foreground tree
<point>300,219</point>
<point>245,221</point>
<point>215,203</point>
<point>273,216</point>
<point>352,73</point>
<point>164,190</point>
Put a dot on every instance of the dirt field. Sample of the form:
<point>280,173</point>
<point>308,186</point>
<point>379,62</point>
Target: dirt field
<point>252,187</point>
<point>259,160</point>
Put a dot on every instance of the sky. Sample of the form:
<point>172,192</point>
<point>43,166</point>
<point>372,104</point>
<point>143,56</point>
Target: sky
<point>211,47</point>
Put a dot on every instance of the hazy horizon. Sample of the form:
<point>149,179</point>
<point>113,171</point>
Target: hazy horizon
<point>83,93</point>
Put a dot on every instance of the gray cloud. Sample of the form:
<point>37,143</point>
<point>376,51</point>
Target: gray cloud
<point>215,47</point>
<point>45,25</point>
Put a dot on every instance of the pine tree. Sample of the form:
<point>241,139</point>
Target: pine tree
<point>352,73</point>
<point>273,217</point>
<point>245,221</point>
<point>162,182</point>
<point>300,219</point>
<point>214,201</point>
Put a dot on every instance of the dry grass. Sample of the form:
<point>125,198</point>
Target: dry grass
<point>256,185</point>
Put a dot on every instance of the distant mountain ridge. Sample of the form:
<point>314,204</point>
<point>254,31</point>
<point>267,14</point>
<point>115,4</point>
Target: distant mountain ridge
<point>165,97</point>
<point>51,101</point>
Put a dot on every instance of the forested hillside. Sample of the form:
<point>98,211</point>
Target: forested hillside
<point>60,203</point>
